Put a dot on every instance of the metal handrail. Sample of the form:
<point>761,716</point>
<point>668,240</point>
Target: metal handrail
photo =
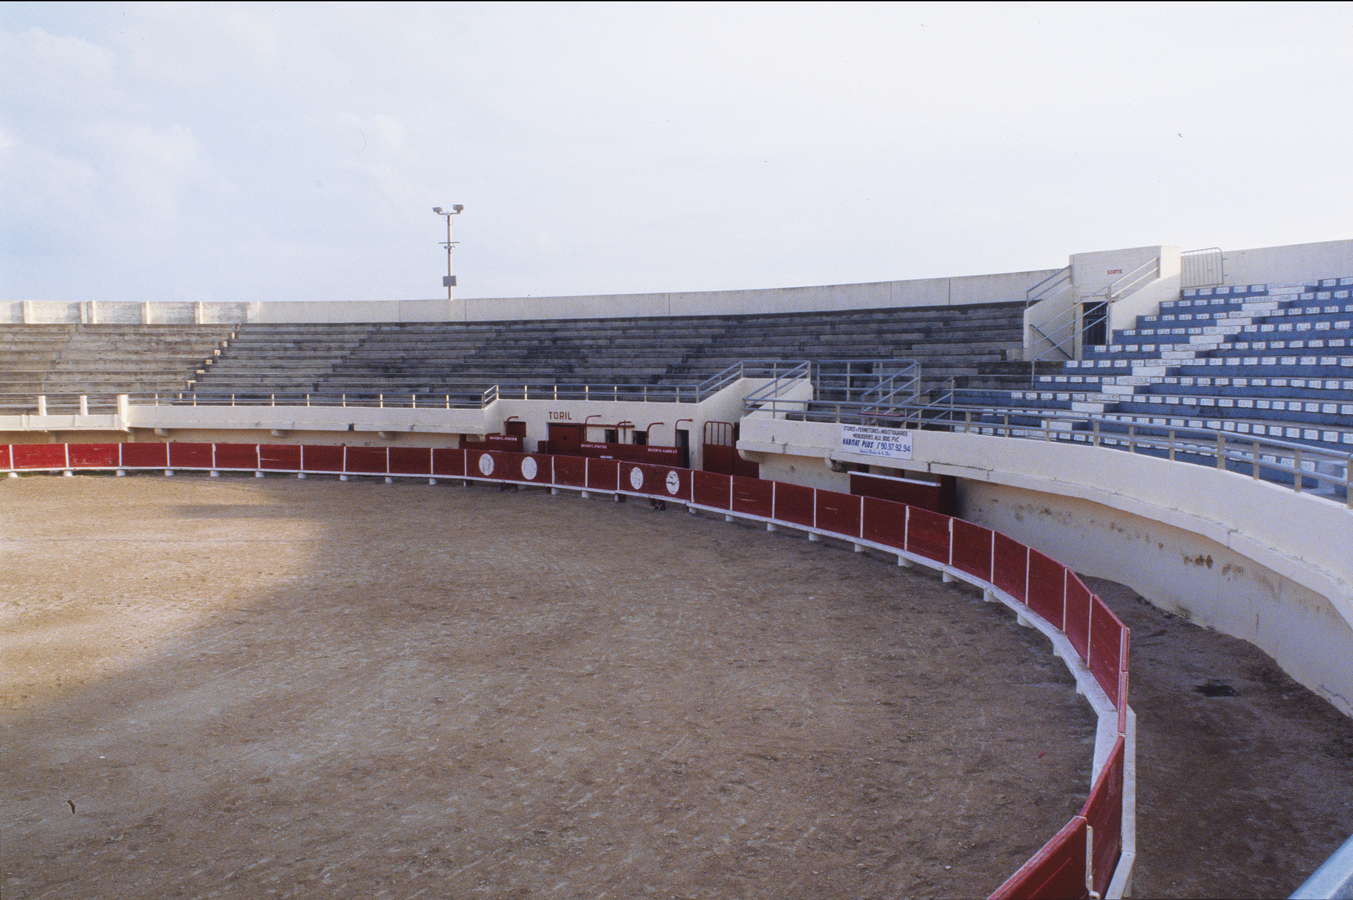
<point>1121,286</point>
<point>1039,292</point>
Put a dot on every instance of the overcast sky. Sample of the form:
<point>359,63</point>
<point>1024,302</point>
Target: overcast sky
<point>266,152</point>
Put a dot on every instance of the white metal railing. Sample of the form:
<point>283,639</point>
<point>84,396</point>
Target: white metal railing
<point>1124,285</point>
<point>1202,268</point>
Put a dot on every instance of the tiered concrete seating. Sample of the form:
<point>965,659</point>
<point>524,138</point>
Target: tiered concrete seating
<point>971,345</point>
<point>101,361</point>
<point>1268,360</point>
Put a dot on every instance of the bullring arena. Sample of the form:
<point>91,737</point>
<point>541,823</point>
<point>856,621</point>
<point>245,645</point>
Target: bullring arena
<point>423,599</point>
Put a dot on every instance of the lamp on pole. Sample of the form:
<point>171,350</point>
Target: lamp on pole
<point>449,281</point>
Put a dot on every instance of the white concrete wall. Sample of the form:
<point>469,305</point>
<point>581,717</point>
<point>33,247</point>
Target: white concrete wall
<point>1289,585</point>
<point>1291,263</point>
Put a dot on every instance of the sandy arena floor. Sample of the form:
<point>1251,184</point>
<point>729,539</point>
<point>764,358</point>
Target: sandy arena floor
<point>249,688</point>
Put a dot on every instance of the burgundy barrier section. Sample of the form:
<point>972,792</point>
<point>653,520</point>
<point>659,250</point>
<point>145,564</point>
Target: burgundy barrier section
<point>6,457</point>
<point>603,474</point>
<point>972,549</point>
<point>230,456</point>
<point>93,456</point>
<point>191,456</point>
<point>1106,644</point>
<point>712,489</point>
<point>1047,587</point>
<point>40,456</point>
<point>1011,561</point>
<point>367,460</point>
<point>928,534</point>
<point>911,493</point>
<point>482,463</point>
<point>279,457</point>
<point>146,456</point>
<point>1055,872</point>
<point>662,482</point>
<point>411,460</point>
<point>794,503</point>
<point>838,513</point>
<point>884,522</point>
<point>529,467</point>
<point>512,443</point>
<point>321,458</point>
<point>570,470</point>
<point>1077,625</point>
<point>1103,812</point>
<point>753,497</point>
<point>448,461</point>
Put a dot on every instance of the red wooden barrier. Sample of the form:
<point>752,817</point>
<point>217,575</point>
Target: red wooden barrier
<point>91,456</point>
<point>570,470</point>
<point>279,457</point>
<point>367,461</point>
<point>1055,872</point>
<point>145,456</point>
<point>663,482</point>
<point>1103,812</point>
<point>711,489</point>
<point>39,456</point>
<point>928,534</point>
<point>972,549</point>
<point>794,503</point>
<point>321,458</point>
<point>448,462</point>
<point>228,456</point>
<point>1106,648</point>
<point>753,497</point>
<point>884,522</point>
<point>1011,565</point>
<point>1077,625</point>
<point>191,456</point>
<point>411,460</point>
<point>603,475</point>
<point>6,457</point>
<point>1047,588</point>
<point>838,513</point>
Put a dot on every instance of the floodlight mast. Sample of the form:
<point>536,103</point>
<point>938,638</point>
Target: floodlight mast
<point>450,280</point>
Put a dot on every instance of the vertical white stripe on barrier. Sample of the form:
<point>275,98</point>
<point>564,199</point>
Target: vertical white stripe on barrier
<point>730,493</point>
<point>859,528</point>
<point>1066,579</point>
<point>951,541</point>
<point>906,526</point>
<point>66,447</point>
<point>774,506</point>
<point>814,507</point>
<point>1090,631</point>
<point>1028,559</point>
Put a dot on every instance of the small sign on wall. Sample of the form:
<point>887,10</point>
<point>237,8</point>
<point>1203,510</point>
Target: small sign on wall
<point>870,440</point>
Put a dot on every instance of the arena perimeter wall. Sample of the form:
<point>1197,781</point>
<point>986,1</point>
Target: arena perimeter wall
<point>1091,855</point>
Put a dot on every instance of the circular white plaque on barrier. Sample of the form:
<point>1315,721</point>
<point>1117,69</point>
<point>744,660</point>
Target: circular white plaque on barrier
<point>636,478</point>
<point>485,464</point>
<point>673,483</point>
<point>528,469</point>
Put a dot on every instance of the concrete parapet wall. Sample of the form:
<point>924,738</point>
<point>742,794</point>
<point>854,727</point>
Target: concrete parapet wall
<point>1290,263</point>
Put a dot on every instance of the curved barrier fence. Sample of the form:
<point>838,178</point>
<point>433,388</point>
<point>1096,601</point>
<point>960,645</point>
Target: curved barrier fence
<point>1091,856</point>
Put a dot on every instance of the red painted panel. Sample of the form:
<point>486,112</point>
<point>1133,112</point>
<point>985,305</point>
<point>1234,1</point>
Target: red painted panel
<point>1012,565</point>
<point>663,482</point>
<point>528,468</point>
<point>39,456</point>
<point>838,513</point>
<point>6,457</point>
<point>972,549</point>
<point>638,479</point>
<point>912,493</point>
<point>885,522</point>
<point>512,443</point>
<point>322,458</point>
<point>794,503</point>
<point>753,496</point>
<point>92,456</point>
<point>928,534</point>
<point>368,460</point>
<point>1103,812</point>
<point>1047,587</point>
<point>145,456</point>
<point>411,460</point>
<point>1106,645</point>
<point>570,470</point>
<point>231,456</point>
<point>481,463</point>
<point>1055,872</point>
<point>448,461</point>
<point>279,457</point>
<point>711,489</point>
<point>190,456</point>
<point>603,474</point>
<point>1077,626</point>
<point>678,488</point>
